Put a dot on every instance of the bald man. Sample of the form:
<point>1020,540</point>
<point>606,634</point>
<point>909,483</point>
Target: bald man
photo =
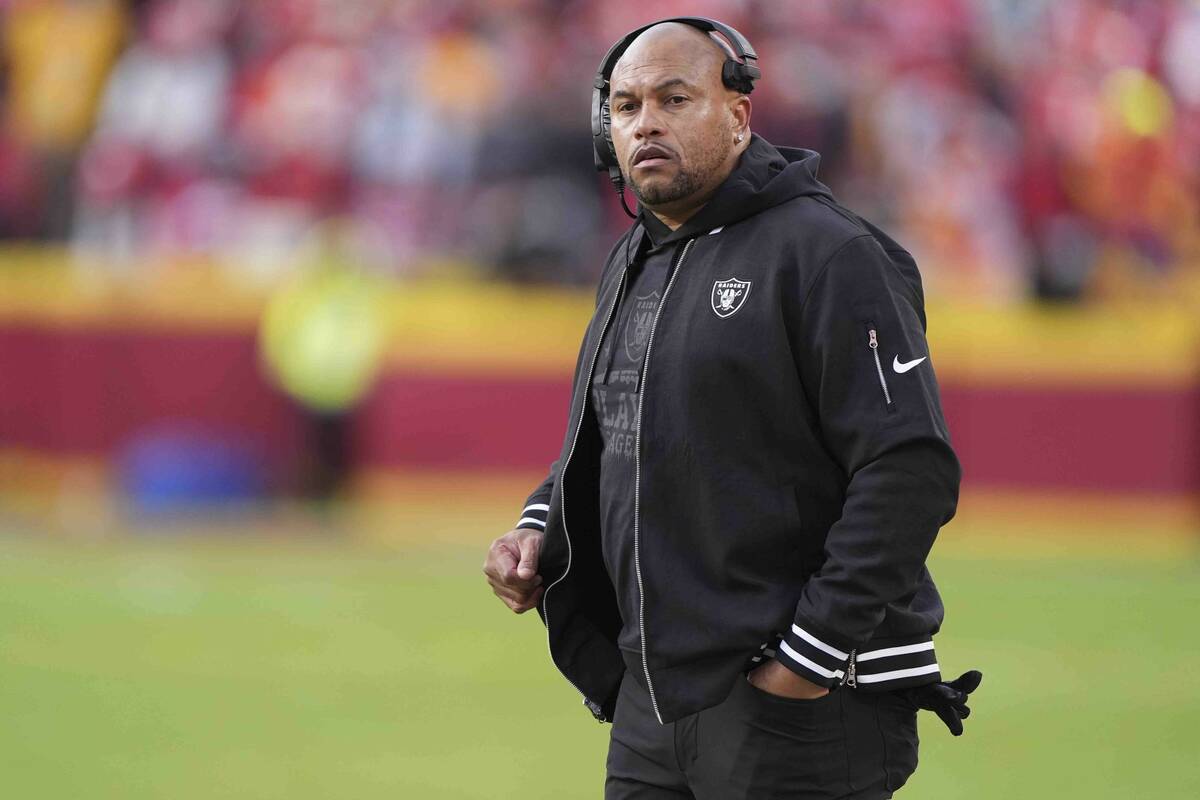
<point>729,553</point>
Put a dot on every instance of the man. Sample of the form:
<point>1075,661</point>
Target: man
<point>729,554</point>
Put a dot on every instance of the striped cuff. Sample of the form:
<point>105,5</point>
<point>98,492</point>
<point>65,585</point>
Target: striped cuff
<point>534,516</point>
<point>811,658</point>
<point>873,668</point>
<point>897,666</point>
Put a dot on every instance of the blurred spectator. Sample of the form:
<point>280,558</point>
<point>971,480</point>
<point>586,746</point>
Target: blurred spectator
<point>1035,147</point>
<point>56,56</point>
<point>151,158</point>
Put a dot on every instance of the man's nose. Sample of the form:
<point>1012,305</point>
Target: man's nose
<point>647,123</point>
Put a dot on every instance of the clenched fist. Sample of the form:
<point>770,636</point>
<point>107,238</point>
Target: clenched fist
<point>511,568</point>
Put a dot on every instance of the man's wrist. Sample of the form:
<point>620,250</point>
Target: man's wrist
<point>774,677</point>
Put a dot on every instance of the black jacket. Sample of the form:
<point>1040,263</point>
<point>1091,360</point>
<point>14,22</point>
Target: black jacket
<point>793,465</point>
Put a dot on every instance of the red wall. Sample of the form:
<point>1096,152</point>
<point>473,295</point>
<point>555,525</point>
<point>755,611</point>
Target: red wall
<point>72,391</point>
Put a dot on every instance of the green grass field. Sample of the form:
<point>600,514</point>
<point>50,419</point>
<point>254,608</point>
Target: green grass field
<point>236,667</point>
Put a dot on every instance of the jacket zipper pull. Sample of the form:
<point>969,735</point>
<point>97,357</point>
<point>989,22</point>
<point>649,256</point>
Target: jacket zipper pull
<point>851,677</point>
<point>873,343</point>
<point>594,707</point>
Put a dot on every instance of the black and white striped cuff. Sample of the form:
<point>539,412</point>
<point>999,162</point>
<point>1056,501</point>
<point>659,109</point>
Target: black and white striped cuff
<point>874,667</point>
<point>811,658</point>
<point>897,666</point>
<point>534,516</point>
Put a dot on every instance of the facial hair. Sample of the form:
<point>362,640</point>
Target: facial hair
<point>685,183</point>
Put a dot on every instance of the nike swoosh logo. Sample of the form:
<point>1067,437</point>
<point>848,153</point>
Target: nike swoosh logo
<point>907,365</point>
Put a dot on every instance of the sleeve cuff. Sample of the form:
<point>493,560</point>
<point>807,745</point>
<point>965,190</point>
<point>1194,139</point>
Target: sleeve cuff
<point>877,666</point>
<point>812,658</point>
<point>534,516</point>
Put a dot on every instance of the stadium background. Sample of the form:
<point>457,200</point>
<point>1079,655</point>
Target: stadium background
<point>290,292</point>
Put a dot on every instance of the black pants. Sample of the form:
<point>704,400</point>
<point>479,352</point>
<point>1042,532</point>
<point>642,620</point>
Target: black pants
<point>848,744</point>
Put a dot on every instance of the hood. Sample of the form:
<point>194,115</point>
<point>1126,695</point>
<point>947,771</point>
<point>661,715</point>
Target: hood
<point>765,176</point>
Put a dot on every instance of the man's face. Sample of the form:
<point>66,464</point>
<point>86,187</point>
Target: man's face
<point>671,122</point>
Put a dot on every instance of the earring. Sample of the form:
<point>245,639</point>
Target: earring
<point>740,137</point>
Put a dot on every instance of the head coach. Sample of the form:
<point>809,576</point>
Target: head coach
<point>729,553</point>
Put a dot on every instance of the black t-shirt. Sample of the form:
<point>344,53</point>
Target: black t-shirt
<point>616,386</point>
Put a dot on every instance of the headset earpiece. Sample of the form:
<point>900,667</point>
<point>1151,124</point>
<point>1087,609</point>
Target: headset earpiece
<point>603,152</point>
<point>739,77</point>
<point>606,124</point>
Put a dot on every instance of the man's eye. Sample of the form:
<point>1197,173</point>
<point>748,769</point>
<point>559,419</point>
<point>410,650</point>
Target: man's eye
<point>625,108</point>
<point>676,99</point>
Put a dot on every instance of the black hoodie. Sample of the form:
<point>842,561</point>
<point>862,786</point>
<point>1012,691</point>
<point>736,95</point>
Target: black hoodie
<point>792,465</point>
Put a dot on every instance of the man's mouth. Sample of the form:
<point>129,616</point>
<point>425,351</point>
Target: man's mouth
<point>651,155</point>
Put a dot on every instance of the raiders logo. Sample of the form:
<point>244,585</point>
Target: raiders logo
<point>728,296</point>
<point>637,327</point>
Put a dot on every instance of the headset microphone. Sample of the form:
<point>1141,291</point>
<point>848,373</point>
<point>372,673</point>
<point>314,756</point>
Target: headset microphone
<point>738,73</point>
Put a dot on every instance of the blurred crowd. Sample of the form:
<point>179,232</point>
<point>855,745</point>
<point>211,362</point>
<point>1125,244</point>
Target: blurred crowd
<point>1016,146</point>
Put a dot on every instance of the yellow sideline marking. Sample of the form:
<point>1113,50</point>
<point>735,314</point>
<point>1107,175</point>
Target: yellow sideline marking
<point>1033,523</point>
<point>75,496</point>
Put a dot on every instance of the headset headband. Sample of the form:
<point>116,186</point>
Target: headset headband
<point>738,73</point>
<point>742,49</point>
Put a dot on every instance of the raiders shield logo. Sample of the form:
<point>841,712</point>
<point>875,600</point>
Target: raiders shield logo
<point>728,296</point>
<point>637,327</point>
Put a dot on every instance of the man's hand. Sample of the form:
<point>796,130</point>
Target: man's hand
<point>511,568</point>
<point>948,700</point>
<point>774,678</point>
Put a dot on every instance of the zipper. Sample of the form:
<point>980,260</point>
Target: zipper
<point>587,390</point>
<point>873,343</point>
<point>637,478</point>
<point>851,678</point>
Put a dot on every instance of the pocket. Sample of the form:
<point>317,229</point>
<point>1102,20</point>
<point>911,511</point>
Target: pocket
<point>765,697</point>
<point>782,747</point>
<point>791,506</point>
<point>811,548</point>
<point>898,729</point>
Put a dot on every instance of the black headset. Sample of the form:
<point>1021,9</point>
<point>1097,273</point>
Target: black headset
<point>738,74</point>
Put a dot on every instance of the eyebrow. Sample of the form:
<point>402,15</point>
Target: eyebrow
<point>667,84</point>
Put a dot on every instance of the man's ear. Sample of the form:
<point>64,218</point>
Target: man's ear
<point>740,108</point>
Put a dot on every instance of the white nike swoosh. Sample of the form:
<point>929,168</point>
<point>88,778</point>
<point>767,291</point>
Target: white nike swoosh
<point>907,365</point>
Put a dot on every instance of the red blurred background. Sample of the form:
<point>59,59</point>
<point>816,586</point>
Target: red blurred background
<point>175,174</point>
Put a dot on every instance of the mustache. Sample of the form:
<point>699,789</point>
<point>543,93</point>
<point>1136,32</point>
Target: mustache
<point>653,150</point>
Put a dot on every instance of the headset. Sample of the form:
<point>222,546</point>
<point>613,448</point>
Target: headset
<point>737,73</point>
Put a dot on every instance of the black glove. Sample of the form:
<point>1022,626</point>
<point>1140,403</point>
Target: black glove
<point>947,700</point>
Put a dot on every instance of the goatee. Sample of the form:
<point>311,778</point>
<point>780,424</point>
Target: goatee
<point>682,185</point>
